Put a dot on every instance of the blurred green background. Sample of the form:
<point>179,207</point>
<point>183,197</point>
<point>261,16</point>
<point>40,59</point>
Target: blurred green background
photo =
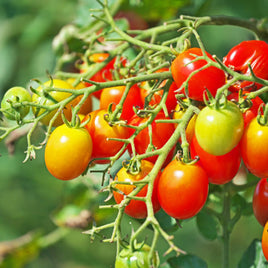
<point>28,193</point>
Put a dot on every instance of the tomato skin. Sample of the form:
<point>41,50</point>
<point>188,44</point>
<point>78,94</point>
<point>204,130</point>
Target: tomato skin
<point>161,132</point>
<point>15,95</point>
<point>251,112</point>
<point>220,169</point>
<point>260,201</point>
<point>114,95</point>
<point>137,258</point>
<point>54,95</point>
<point>182,189</point>
<point>253,148</point>
<point>253,52</point>
<point>218,131</point>
<point>68,152</point>
<point>100,131</point>
<point>210,78</point>
<point>136,208</point>
<point>264,241</point>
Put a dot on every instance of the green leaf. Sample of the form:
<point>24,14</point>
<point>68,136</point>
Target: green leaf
<point>187,261</point>
<point>207,225</point>
<point>239,203</point>
<point>253,256</point>
<point>168,223</point>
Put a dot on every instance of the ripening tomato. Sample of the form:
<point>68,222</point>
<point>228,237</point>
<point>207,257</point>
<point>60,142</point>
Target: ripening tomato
<point>253,52</point>
<point>264,241</point>
<point>113,95</point>
<point>50,98</point>
<point>147,87</point>
<point>254,144</point>
<point>252,111</point>
<point>220,169</point>
<point>161,132</point>
<point>15,95</point>
<point>210,78</point>
<point>137,258</point>
<point>105,74</point>
<point>102,132</point>
<point>219,130</point>
<point>136,208</point>
<point>182,189</point>
<point>68,152</point>
<point>260,201</point>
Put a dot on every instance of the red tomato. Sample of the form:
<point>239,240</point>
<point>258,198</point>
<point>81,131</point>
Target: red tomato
<point>220,169</point>
<point>105,74</point>
<point>253,52</point>
<point>264,241</point>
<point>136,208</point>
<point>147,87</point>
<point>101,132</point>
<point>252,111</point>
<point>210,78</point>
<point>161,132</point>
<point>182,189</point>
<point>68,152</point>
<point>114,94</point>
<point>260,201</point>
<point>254,144</point>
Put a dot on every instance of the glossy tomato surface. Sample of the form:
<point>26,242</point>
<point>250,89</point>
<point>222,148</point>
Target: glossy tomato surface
<point>102,132</point>
<point>264,241</point>
<point>182,189</point>
<point>219,130</point>
<point>220,169</point>
<point>136,208</point>
<point>210,78</point>
<point>254,144</point>
<point>68,152</point>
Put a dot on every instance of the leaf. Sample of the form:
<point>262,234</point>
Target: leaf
<point>187,261</point>
<point>207,225</point>
<point>240,203</point>
<point>168,223</point>
<point>253,256</point>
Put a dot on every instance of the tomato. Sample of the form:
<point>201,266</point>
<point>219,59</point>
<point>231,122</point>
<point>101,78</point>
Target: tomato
<point>219,130</point>
<point>220,169</point>
<point>161,132</point>
<point>182,189</point>
<point>250,112</point>
<point>253,52</point>
<point>136,208</point>
<point>147,87</point>
<point>114,94</point>
<point>260,201</point>
<point>136,259</point>
<point>105,74</point>
<point>87,105</point>
<point>253,148</point>
<point>178,114</point>
<point>68,152</point>
<point>15,95</point>
<point>210,78</point>
<point>264,241</point>
<point>52,98</point>
<point>101,131</point>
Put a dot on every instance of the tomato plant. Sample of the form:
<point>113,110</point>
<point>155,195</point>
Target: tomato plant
<point>103,133</point>
<point>253,142</point>
<point>135,208</point>
<point>68,152</point>
<point>139,257</point>
<point>15,95</point>
<point>182,189</point>
<point>209,78</point>
<point>265,241</point>
<point>246,57</point>
<point>219,130</point>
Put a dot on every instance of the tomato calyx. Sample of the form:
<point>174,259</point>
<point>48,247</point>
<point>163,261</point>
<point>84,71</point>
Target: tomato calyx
<point>262,116</point>
<point>132,166</point>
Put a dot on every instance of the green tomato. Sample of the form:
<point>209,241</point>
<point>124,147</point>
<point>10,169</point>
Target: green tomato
<point>136,259</point>
<point>219,130</point>
<point>15,95</point>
